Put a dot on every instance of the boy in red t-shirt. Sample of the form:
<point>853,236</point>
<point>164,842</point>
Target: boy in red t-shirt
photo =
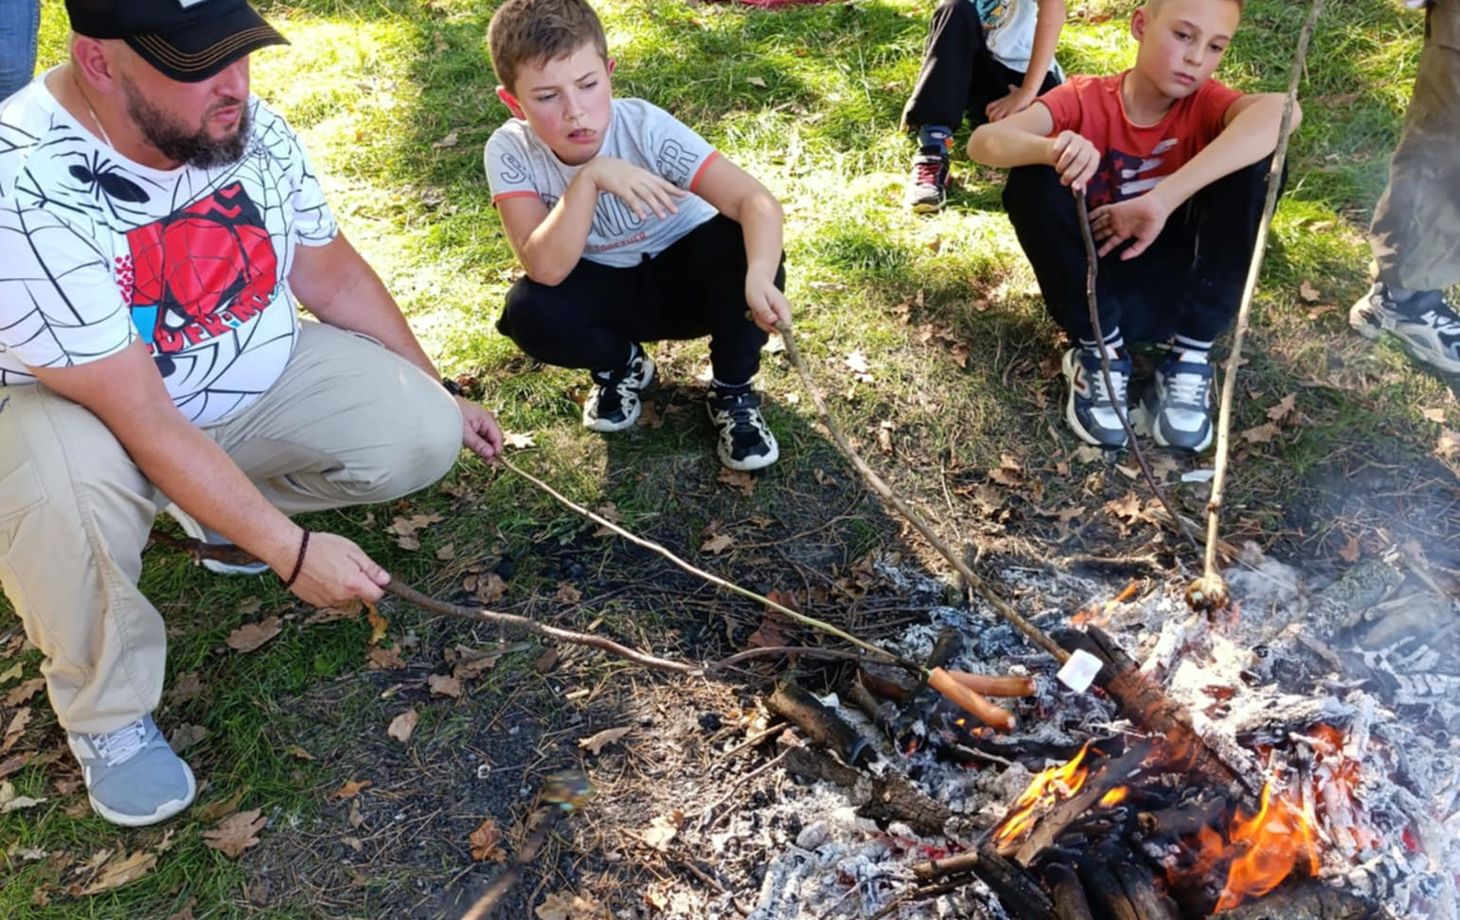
<point>1172,163</point>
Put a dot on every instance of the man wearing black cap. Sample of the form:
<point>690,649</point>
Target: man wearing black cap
<point>158,228</point>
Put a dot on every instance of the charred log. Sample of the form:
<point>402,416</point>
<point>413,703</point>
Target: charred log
<point>803,710</point>
<point>883,799</point>
<point>1049,826</point>
<point>888,682</point>
<point>1068,894</point>
<point>1308,900</point>
<point>1183,820</point>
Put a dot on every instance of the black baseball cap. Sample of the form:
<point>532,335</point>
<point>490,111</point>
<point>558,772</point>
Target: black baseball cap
<point>188,40</point>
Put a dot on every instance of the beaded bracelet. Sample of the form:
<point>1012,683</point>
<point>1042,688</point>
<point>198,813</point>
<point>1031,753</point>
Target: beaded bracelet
<point>298,563</point>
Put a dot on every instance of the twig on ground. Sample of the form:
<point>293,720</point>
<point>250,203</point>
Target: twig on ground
<point>705,821</point>
<point>984,590</point>
<point>1092,260</point>
<point>918,894</point>
<point>1244,312</point>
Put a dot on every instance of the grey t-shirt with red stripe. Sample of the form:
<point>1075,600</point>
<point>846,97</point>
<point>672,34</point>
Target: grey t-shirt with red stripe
<point>520,163</point>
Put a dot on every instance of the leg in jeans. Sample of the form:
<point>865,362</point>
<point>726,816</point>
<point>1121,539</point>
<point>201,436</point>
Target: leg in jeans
<point>20,22</point>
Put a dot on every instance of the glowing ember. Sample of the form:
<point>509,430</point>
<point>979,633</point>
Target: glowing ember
<point>1046,788</point>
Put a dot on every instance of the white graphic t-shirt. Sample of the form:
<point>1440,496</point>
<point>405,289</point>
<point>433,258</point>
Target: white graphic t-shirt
<point>1009,31</point>
<point>96,251</point>
<point>519,163</point>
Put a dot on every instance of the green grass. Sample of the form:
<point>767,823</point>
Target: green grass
<point>374,86</point>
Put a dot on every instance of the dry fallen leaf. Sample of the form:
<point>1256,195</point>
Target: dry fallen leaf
<point>960,354</point>
<point>662,830</point>
<point>517,440</point>
<point>250,636</point>
<point>1434,415</point>
<point>1127,508</point>
<point>444,685</point>
<point>596,743</point>
<point>1088,453</point>
<point>295,750</point>
<point>236,833</point>
<point>1308,292</point>
<point>1447,447</point>
<point>490,588</point>
<point>450,140</point>
<point>1261,434</point>
<point>756,81</point>
<point>24,692</point>
<point>403,725</point>
<point>187,687</point>
<point>119,872</point>
<point>350,789</point>
<point>9,801</point>
<point>717,544</point>
<point>384,659</point>
<point>1350,551</point>
<point>378,623</point>
<point>15,729</point>
<point>186,911</point>
<point>329,614</point>
<point>737,479</point>
<point>567,594</point>
<point>215,810</point>
<point>185,736</point>
<point>486,843</point>
<point>861,370</point>
<point>404,529</point>
<point>1283,409</point>
<point>249,606</point>
<point>884,436</point>
<point>570,906</point>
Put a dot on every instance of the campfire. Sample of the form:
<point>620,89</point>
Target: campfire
<point>1240,767</point>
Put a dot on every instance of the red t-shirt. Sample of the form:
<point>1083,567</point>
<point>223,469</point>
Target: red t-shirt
<point>1133,157</point>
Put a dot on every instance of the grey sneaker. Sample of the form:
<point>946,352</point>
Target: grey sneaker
<point>133,778</point>
<point>745,441</point>
<point>1428,328</point>
<point>617,396</point>
<point>197,531</point>
<point>1176,409</point>
<point>927,190</point>
<point>1091,408</point>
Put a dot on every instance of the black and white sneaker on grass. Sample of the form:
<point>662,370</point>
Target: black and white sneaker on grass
<point>1091,407</point>
<point>617,396</point>
<point>1428,328</point>
<point>928,188</point>
<point>745,441</point>
<point>1176,409</point>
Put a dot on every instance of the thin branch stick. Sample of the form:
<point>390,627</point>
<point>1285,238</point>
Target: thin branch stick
<point>701,573</point>
<point>1244,312</point>
<point>1035,634</point>
<point>1091,268</point>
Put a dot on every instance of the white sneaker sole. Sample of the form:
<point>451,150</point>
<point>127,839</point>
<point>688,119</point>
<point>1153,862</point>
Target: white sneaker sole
<point>195,530</point>
<point>164,811</point>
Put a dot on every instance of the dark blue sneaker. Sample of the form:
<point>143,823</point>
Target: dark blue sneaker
<point>1428,328</point>
<point>1176,409</point>
<point>928,188</point>
<point>1091,408</point>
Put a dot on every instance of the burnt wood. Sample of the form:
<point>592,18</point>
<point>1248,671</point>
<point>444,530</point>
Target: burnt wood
<point>797,706</point>
<point>1103,777</point>
<point>883,799</point>
<point>1183,820</point>
<point>1306,900</point>
<point>1068,894</point>
<point>888,682</point>
<point>1140,889</point>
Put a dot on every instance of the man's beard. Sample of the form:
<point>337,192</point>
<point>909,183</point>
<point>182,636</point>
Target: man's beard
<point>174,140</point>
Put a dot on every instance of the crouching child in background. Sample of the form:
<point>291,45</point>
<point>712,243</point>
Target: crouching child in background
<point>631,227</point>
<point>1173,166</point>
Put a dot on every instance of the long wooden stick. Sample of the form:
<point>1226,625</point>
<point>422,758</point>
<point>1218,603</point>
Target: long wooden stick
<point>1035,634</point>
<point>1244,312</point>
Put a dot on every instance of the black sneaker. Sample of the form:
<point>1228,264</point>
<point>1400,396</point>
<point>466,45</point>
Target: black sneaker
<point>617,396</point>
<point>745,442</point>
<point>928,187</point>
<point>1428,328</point>
<point>1091,409</point>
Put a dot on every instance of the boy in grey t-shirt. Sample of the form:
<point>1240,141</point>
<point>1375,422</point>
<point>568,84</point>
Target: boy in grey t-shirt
<point>631,228</point>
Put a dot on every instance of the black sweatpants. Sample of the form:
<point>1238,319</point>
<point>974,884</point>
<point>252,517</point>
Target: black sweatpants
<point>694,288</point>
<point>1188,283</point>
<point>959,74</point>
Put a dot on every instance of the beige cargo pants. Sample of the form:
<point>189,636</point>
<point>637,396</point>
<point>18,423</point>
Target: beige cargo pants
<point>1416,231</point>
<point>348,422</point>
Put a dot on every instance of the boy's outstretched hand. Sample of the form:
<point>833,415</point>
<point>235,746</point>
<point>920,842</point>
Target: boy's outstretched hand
<point>1139,220</point>
<point>638,188</point>
<point>1074,158</point>
<point>768,306</point>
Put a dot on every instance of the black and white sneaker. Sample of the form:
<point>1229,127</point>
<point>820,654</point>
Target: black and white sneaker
<point>745,441</point>
<point>1176,409</point>
<point>1091,409</point>
<point>617,396</point>
<point>1428,328</point>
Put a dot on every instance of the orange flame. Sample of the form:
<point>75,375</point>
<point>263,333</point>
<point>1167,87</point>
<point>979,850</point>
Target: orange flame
<point>1270,844</point>
<point>1047,787</point>
<point>1114,797</point>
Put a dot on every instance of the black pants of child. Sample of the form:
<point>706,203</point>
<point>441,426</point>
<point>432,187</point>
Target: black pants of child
<point>1188,283</point>
<point>694,288</point>
<point>959,74</point>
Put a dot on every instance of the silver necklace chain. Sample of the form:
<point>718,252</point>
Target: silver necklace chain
<point>95,120</point>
